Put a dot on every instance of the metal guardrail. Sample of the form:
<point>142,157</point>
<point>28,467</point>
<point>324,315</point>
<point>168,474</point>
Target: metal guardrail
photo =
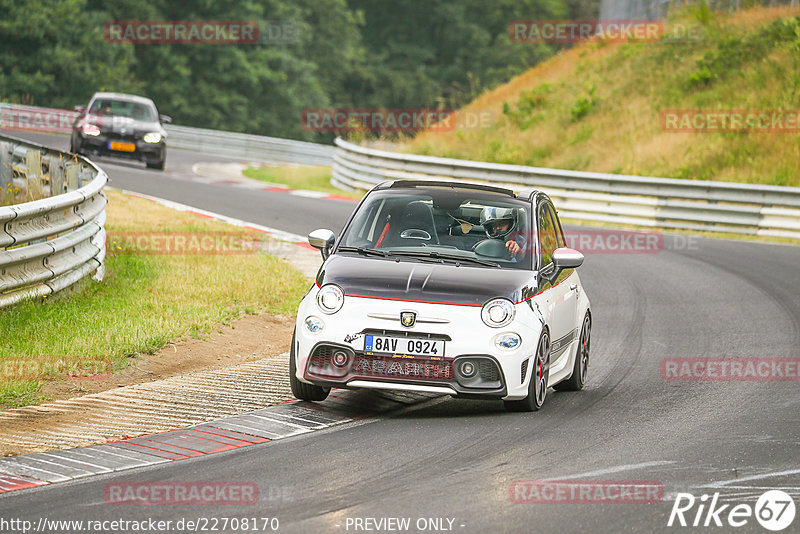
<point>47,245</point>
<point>239,145</point>
<point>643,201</point>
<point>250,147</point>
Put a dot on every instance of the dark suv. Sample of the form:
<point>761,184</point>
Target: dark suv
<point>120,125</point>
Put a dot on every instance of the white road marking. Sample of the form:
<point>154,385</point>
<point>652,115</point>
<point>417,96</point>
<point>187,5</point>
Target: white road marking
<point>272,232</point>
<point>762,476</point>
<point>616,469</point>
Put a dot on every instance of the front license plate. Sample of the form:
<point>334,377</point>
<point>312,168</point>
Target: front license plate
<point>402,346</point>
<point>121,147</point>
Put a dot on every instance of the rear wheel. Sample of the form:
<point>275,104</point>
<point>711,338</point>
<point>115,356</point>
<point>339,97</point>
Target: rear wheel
<point>581,367</point>
<point>301,390</point>
<point>537,388</point>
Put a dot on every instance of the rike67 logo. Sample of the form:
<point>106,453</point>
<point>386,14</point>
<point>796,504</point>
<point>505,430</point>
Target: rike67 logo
<point>774,510</point>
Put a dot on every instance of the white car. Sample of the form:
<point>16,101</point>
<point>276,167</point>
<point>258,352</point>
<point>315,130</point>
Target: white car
<point>443,287</point>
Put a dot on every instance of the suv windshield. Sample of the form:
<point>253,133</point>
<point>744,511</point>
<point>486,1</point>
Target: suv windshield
<point>444,225</point>
<point>123,108</point>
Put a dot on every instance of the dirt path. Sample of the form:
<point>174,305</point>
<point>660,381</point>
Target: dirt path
<point>248,339</point>
<point>237,369</point>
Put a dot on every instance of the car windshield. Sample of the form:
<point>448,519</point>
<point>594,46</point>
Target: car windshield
<point>446,225</point>
<point>123,108</point>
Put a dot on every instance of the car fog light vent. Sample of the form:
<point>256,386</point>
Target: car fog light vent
<point>322,357</point>
<point>524,371</point>
<point>489,371</point>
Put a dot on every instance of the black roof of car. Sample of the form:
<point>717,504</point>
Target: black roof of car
<point>407,184</point>
<point>123,96</point>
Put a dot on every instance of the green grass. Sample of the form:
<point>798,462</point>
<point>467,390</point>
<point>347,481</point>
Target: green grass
<point>144,302</point>
<point>598,106</point>
<point>317,178</point>
<point>20,393</point>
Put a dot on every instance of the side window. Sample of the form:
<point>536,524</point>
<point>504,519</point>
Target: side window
<point>548,241</point>
<point>559,231</point>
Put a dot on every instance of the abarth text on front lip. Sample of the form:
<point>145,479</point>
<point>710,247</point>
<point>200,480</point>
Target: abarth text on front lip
<point>444,287</point>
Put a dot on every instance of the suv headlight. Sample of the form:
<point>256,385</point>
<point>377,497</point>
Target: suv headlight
<point>330,298</point>
<point>152,137</point>
<point>498,312</point>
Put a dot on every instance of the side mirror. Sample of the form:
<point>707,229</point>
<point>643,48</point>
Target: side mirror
<point>564,258</point>
<point>166,119</point>
<point>323,240</point>
<point>567,258</point>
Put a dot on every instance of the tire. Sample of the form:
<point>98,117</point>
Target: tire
<point>160,164</point>
<point>537,388</point>
<point>301,390</point>
<point>581,367</point>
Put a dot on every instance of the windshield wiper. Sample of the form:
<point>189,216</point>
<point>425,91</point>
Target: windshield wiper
<point>363,251</point>
<point>440,256</point>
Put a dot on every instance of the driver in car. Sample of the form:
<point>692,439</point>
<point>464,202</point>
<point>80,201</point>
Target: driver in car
<point>501,223</point>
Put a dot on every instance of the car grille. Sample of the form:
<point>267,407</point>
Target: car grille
<point>114,136</point>
<point>322,356</point>
<point>488,370</point>
<point>524,371</point>
<point>320,363</point>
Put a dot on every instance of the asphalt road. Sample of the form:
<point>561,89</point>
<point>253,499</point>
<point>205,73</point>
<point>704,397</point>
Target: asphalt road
<point>456,459</point>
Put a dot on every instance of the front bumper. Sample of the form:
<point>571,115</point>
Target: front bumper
<point>99,144</point>
<point>501,373</point>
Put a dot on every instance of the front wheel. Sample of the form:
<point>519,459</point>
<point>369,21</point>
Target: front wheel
<point>581,367</point>
<point>537,388</point>
<point>158,164</point>
<point>301,390</point>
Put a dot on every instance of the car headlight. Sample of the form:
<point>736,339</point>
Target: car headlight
<point>508,341</point>
<point>90,129</point>
<point>330,298</point>
<point>498,312</point>
<point>152,137</point>
<point>314,324</point>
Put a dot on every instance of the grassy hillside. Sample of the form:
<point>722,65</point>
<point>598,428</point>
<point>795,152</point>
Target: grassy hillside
<point>598,106</point>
